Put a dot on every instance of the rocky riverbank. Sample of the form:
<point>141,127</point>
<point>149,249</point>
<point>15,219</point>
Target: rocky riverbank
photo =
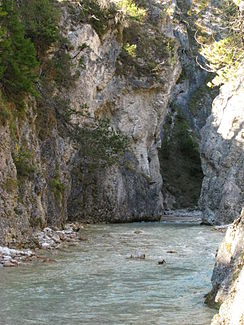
<point>47,239</point>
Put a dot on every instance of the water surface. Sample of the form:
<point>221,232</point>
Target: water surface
<point>96,282</point>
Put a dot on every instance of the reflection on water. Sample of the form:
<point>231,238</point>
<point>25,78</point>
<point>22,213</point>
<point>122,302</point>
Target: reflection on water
<point>96,282</point>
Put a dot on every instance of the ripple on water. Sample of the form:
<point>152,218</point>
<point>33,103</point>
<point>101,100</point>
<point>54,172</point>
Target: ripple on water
<point>96,282</point>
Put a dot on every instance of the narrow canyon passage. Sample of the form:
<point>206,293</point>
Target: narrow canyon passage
<point>180,163</point>
<point>115,112</point>
<point>99,283</point>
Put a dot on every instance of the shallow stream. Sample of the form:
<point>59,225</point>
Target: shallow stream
<point>98,283</point>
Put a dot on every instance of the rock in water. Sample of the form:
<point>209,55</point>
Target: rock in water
<point>138,256</point>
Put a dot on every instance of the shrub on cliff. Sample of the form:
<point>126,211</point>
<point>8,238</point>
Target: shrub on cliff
<point>99,17</point>
<point>132,10</point>
<point>40,19</point>
<point>17,56</point>
<point>223,48</point>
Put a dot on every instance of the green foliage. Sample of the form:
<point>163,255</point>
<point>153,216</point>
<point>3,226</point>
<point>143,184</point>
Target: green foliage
<point>183,176</point>
<point>57,187</point>
<point>100,144</point>
<point>99,17</point>
<point>3,40</point>
<point>132,10</point>
<point>36,222</point>
<point>17,57</point>
<point>143,52</point>
<point>40,18</point>
<point>10,185</point>
<point>224,51</point>
<point>56,72</point>
<point>225,57</point>
<point>187,143</point>
<point>27,30</point>
<point>130,49</point>
<point>5,113</point>
<point>8,115</point>
<point>22,160</point>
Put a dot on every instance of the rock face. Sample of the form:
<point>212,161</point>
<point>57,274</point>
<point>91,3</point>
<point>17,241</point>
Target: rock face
<point>228,276</point>
<point>188,110</point>
<point>135,101</point>
<point>31,175</point>
<point>222,155</point>
<point>44,179</point>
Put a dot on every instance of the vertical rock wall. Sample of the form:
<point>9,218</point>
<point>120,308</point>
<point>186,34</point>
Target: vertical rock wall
<point>228,276</point>
<point>222,154</point>
<point>44,178</point>
<point>133,92</point>
<point>34,178</point>
<point>188,110</point>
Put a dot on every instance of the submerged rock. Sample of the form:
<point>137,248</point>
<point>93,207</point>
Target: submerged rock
<point>138,256</point>
<point>13,257</point>
<point>161,262</point>
<point>137,232</point>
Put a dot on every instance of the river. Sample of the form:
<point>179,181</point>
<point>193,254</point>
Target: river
<point>97,282</point>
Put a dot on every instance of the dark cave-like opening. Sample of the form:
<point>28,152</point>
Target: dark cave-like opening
<point>180,163</point>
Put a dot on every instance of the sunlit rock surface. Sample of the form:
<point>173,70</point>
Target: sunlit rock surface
<point>222,154</point>
<point>228,276</point>
<point>53,184</point>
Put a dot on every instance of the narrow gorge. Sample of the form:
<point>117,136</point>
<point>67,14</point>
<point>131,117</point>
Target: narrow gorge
<point>114,113</point>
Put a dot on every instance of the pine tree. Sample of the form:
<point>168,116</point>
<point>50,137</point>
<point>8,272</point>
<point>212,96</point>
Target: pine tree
<point>2,43</point>
<point>40,18</point>
<point>18,62</point>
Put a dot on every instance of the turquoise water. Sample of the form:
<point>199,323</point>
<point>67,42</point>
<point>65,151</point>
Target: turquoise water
<point>96,282</point>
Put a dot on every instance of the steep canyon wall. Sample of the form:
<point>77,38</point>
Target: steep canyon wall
<point>124,73</point>
<point>126,70</point>
<point>222,154</point>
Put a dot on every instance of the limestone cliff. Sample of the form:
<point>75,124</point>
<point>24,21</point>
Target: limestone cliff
<point>122,71</point>
<point>188,110</point>
<point>228,276</point>
<point>207,40</point>
<point>133,92</point>
<point>222,155</point>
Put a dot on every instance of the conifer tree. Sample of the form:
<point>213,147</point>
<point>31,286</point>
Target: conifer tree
<point>40,18</point>
<point>18,62</point>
